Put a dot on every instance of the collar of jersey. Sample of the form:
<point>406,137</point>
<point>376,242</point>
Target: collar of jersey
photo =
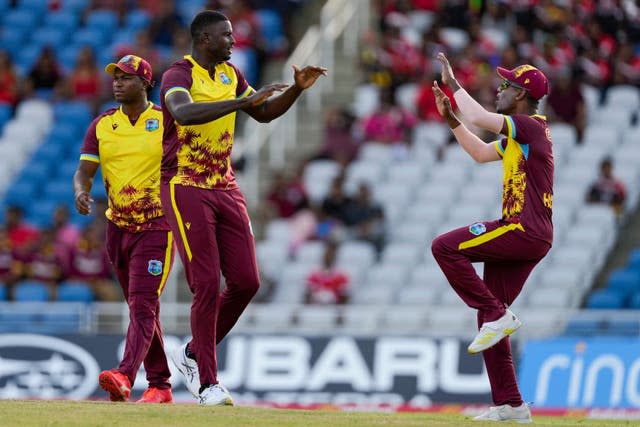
<point>199,68</point>
<point>144,113</point>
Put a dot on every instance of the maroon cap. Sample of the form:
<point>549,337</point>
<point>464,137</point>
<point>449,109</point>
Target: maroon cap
<point>527,77</point>
<point>132,64</point>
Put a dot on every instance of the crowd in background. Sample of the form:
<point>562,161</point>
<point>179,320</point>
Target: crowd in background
<point>572,42</point>
<point>64,251</point>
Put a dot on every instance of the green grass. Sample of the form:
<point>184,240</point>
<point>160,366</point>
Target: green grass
<point>69,414</point>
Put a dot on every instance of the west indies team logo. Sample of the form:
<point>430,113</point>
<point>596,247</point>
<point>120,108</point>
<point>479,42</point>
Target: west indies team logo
<point>151,125</point>
<point>477,229</point>
<point>155,267</point>
<point>224,79</point>
<point>132,60</point>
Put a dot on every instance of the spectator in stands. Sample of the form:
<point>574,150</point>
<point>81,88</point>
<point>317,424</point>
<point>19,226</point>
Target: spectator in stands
<point>565,103</point>
<point>45,78</point>
<point>328,284</point>
<point>126,142</point>
<point>42,263</point>
<point>8,273</point>
<point>85,81</point>
<point>607,188</point>
<point>626,66</point>
<point>390,124</point>
<point>89,263</point>
<point>287,195</point>
<point>165,21</point>
<point>67,234</point>
<point>426,101</point>
<point>340,143</point>
<point>9,85</point>
<point>336,202</point>
<point>198,183</point>
<point>513,245</point>
<point>20,233</point>
<point>364,218</point>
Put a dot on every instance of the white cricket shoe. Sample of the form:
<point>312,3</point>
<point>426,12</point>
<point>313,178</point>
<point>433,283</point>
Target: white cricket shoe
<point>520,414</point>
<point>188,368</point>
<point>216,395</point>
<point>491,333</point>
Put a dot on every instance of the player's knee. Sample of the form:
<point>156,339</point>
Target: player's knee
<point>141,306</point>
<point>437,247</point>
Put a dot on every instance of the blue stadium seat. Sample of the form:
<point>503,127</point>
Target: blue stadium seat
<point>75,292</point>
<point>104,20</point>
<point>136,20</point>
<point>68,56</point>
<point>633,261</point>
<point>76,6</point>
<point>272,30</point>
<point>27,57</point>
<point>21,194</point>
<point>93,38</point>
<point>65,134</point>
<point>75,112</point>
<point>66,169</point>
<point>4,6</point>
<point>29,290</point>
<point>37,7</point>
<point>634,301</point>
<point>12,41</point>
<point>606,299</point>
<point>59,191</point>
<point>63,20</point>
<point>625,281</point>
<point>21,20</point>
<point>49,152</point>
<point>36,171</point>
<point>41,212</point>
<point>48,36</point>
<point>3,292</point>
<point>5,114</point>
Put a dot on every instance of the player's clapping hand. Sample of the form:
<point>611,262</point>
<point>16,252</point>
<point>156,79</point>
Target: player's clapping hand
<point>447,71</point>
<point>306,77</point>
<point>83,202</point>
<point>264,93</point>
<point>442,101</point>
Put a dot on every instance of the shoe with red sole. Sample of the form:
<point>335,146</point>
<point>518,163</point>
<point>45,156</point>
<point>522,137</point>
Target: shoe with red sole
<point>156,395</point>
<point>117,384</point>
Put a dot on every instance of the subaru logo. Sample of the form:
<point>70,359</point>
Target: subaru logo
<point>44,367</point>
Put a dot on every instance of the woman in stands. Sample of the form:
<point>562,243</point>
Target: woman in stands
<point>127,143</point>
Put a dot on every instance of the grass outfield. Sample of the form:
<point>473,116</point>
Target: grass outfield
<point>65,413</point>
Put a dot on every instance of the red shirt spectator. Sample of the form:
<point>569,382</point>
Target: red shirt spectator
<point>8,80</point>
<point>328,284</point>
<point>20,234</point>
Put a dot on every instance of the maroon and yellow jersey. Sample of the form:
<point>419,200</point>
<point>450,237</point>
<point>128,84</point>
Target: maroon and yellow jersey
<point>527,159</point>
<point>200,155</point>
<point>129,155</point>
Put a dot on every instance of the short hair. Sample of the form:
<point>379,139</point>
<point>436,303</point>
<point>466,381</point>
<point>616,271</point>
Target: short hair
<point>203,20</point>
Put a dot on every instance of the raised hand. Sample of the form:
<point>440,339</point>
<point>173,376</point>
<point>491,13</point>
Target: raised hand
<point>264,93</point>
<point>306,77</point>
<point>447,71</point>
<point>442,101</point>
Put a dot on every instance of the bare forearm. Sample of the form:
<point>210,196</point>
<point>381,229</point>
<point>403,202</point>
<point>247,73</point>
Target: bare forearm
<point>197,113</point>
<point>476,114</point>
<point>277,106</point>
<point>479,151</point>
<point>82,182</point>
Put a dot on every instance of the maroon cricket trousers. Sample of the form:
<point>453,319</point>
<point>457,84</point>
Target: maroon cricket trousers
<point>509,256</point>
